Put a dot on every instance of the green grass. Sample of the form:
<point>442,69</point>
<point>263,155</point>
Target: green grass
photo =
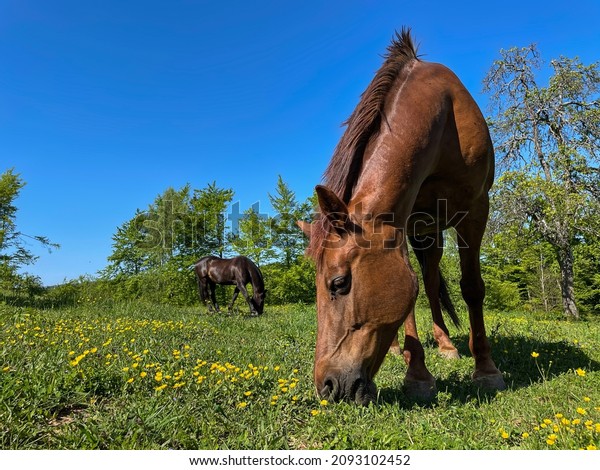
<point>138,376</point>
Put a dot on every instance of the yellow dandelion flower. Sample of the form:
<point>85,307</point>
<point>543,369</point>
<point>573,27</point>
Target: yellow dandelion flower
<point>504,435</point>
<point>275,397</point>
<point>248,393</point>
<point>323,402</point>
<point>576,421</point>
<point>581,411</point>
<point>534,354</point>
<point>314,412</point>
<point>276,368</point>
<point>550,442</point>
<point>525,435</point>
<point>242,404</point>
<point>160,387</point>
<point>5,369</point>
<point>143,374</point>
<point>284,389</point>
<point>548,421</point>
<point>587,399</point>
<point>597,427</point>
<point>591,447</point>
<point>580,372</point>
<point>565,421</point>
<point>559,415</point>
<point>125,369</point>
<point>130,380</point>
<point>295,398</point>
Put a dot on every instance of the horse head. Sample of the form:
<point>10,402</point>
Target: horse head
<point>365,290</point>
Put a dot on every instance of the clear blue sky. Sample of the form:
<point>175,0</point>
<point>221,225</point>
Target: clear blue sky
<point>105,104</point>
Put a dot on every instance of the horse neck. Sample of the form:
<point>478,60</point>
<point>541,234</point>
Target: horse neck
<point>256,278</point>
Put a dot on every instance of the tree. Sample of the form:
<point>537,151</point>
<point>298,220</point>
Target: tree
<point>13,251</point>
<point>209,206</point>
<point>547,140</point>
<point>129,256</point>
<point>287,236</point>
<point>254,237</point>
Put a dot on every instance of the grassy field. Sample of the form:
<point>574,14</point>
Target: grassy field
<point>136,376</point>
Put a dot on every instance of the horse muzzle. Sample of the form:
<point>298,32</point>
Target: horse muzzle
<point>348,387</point>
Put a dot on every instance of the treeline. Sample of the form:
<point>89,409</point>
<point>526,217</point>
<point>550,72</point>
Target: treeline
<point>154,251</point>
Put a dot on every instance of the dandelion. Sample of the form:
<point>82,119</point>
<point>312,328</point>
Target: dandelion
<point>591,447</point>
<point>160,387</point>
<point>323,402</point>
<point>130,380</point>
<point>242,405</point>
<point>551,439</point>
<point>587,399</point>
<point>534,354</point>
<point>525,435</point>
<point>581,411</point>
<point>143,374</point>
<point>248,393</point>
<point>504,434</point>
<point>314,412</point>
<point>580,372</point>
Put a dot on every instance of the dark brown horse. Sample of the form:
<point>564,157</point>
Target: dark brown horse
<point>239,272</point>
<point>416,158</point>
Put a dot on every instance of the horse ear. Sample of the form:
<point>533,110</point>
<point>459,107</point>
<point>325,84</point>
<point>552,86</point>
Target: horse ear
<point>333,208</point>
<point>306,227</point>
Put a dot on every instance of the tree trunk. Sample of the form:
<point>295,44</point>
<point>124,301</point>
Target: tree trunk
<point>565,260</point>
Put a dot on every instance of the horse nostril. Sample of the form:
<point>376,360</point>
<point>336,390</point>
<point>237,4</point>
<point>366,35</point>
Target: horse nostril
<point>329,389</point>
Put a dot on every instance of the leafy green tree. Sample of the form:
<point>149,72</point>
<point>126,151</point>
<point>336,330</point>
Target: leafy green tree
<point>254,238</point>
<point>209,207</point>
<point>287,236</point>
<point>129,256</point>
<point>547,140</point>
<point>14,253</point>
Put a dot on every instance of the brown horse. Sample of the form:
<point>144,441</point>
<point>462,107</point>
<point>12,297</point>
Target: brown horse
<point>238,271</point>
<point>415,159</point>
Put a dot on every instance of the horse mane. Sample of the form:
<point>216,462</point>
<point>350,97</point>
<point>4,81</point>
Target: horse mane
<point>363,124</point>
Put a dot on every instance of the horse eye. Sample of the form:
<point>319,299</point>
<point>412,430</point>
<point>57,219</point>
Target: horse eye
<point>340,285</point>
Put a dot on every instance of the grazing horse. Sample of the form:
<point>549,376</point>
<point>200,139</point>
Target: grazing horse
<point>415,159</point>
<point>238,271</point>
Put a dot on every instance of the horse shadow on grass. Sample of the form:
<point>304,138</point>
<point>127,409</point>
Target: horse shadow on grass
<point>513,356</point>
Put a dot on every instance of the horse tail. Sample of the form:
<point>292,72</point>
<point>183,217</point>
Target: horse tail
<point>447,303</point>
<point>444,294</point>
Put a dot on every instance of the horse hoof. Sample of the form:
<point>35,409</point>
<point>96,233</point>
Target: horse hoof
<point>490,382</point>
<point>422,390</point>
<point>449,353</point>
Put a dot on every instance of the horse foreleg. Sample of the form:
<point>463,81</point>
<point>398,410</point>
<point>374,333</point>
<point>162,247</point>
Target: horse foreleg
<point>213,297</point>
<point>418,382</point>
<point>236,291</point>
<point>244,292</point>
